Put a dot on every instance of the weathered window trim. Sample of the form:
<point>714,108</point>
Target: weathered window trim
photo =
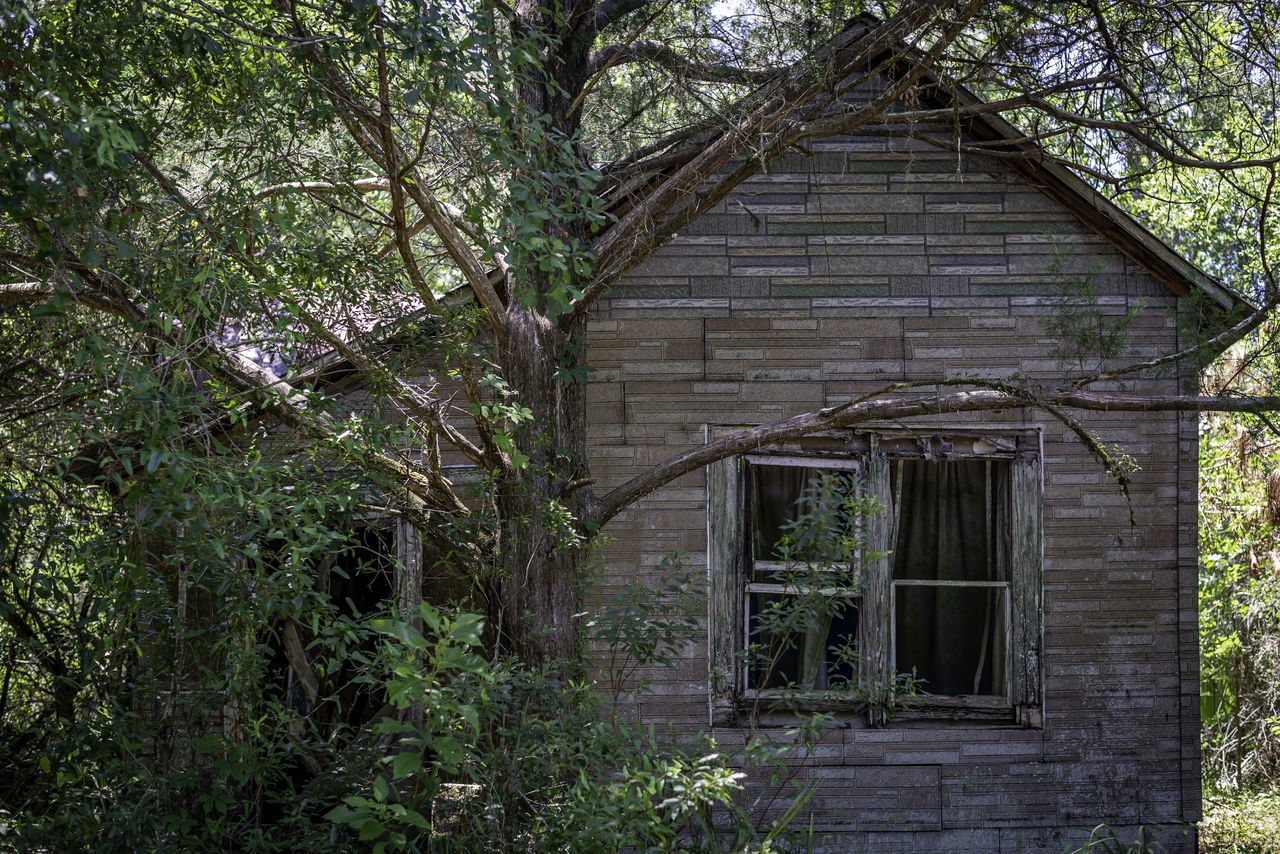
<point>874,451</point>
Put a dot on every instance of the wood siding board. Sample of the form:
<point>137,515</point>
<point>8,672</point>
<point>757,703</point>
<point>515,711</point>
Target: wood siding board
<point>876,615</point>
<point>1027,549</point>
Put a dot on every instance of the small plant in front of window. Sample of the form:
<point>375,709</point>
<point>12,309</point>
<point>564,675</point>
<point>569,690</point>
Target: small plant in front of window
<point>644,624</point>
<point>806,589</point>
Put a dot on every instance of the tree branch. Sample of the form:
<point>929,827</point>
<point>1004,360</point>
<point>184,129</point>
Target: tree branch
<point>275,395</point>
<point>660,54</point>
<point>881,408</point>
<point>607,13</point>
<point>780,113</point>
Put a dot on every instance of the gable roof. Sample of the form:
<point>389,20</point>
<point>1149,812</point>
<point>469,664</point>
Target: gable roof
<point>1115,225</point>
<point>1109,220</point>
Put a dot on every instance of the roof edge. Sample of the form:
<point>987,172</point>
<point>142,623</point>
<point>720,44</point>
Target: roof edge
<point>1057,180</point>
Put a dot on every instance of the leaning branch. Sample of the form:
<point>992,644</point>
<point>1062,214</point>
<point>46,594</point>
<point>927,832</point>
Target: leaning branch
<point>885,408</point>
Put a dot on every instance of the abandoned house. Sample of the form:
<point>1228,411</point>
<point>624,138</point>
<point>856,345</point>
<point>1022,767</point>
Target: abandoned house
<point>1050,621</point>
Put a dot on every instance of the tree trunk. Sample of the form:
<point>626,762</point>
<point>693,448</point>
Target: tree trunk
<point>539,550</point>
<point>541,543</point>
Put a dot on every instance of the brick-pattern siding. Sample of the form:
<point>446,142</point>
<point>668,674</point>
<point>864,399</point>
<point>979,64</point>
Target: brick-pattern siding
<point>869,263</point>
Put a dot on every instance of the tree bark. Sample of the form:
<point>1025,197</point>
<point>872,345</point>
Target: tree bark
<point>540,530</point>
<point>540,556</point>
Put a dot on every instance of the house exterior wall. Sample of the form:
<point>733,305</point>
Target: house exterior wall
<point>866,263</point>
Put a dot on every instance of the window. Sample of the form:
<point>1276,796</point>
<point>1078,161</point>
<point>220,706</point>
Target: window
<point>940,578</point>
<point>359,578</point>
<point>802,588</point>
<point>384,564</point>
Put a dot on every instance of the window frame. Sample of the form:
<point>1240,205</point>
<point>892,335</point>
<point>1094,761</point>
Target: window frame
<point>403,557</point>
<point>873,451</point>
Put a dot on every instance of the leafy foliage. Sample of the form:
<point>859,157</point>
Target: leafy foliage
<point>1241,823</point>
<point>213,218</point>
<point>1240,601</point>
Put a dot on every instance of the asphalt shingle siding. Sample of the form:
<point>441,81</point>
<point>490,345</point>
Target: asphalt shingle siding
<point>869,263</point>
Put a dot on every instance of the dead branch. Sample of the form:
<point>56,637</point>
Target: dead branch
<point>781,111</point>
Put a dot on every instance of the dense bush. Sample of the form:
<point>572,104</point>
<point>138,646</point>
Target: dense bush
<point>151,706</point>
<point>1240,601</point>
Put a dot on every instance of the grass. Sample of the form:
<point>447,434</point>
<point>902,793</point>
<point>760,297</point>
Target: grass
<point>1241,823</point>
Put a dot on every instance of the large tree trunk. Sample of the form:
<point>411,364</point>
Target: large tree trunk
<point>538,503</point>
<point>539,589</point>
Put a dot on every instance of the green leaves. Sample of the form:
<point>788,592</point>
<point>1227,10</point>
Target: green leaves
<point>1239,596</point>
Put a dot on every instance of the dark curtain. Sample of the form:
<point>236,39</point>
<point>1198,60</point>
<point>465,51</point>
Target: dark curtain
<point>775,491</point>
<point>949,518</point>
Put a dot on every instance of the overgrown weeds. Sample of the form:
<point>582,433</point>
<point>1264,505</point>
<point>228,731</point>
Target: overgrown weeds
<point>1241,823</point>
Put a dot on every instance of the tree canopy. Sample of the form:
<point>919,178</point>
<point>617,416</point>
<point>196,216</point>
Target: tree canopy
<point>225,195</point>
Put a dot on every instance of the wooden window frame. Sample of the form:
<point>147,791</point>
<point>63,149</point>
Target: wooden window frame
<point>874,451</point>
<point>405,559</point>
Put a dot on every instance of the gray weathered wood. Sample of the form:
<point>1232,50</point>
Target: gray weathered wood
<point>408,570</point>
<point>724,578</point>
<point>1026,556</point>
<point>874,620</point>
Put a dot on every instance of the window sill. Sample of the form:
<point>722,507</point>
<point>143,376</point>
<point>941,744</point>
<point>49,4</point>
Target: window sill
<point>968,709</point>
<point>781,708</point>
